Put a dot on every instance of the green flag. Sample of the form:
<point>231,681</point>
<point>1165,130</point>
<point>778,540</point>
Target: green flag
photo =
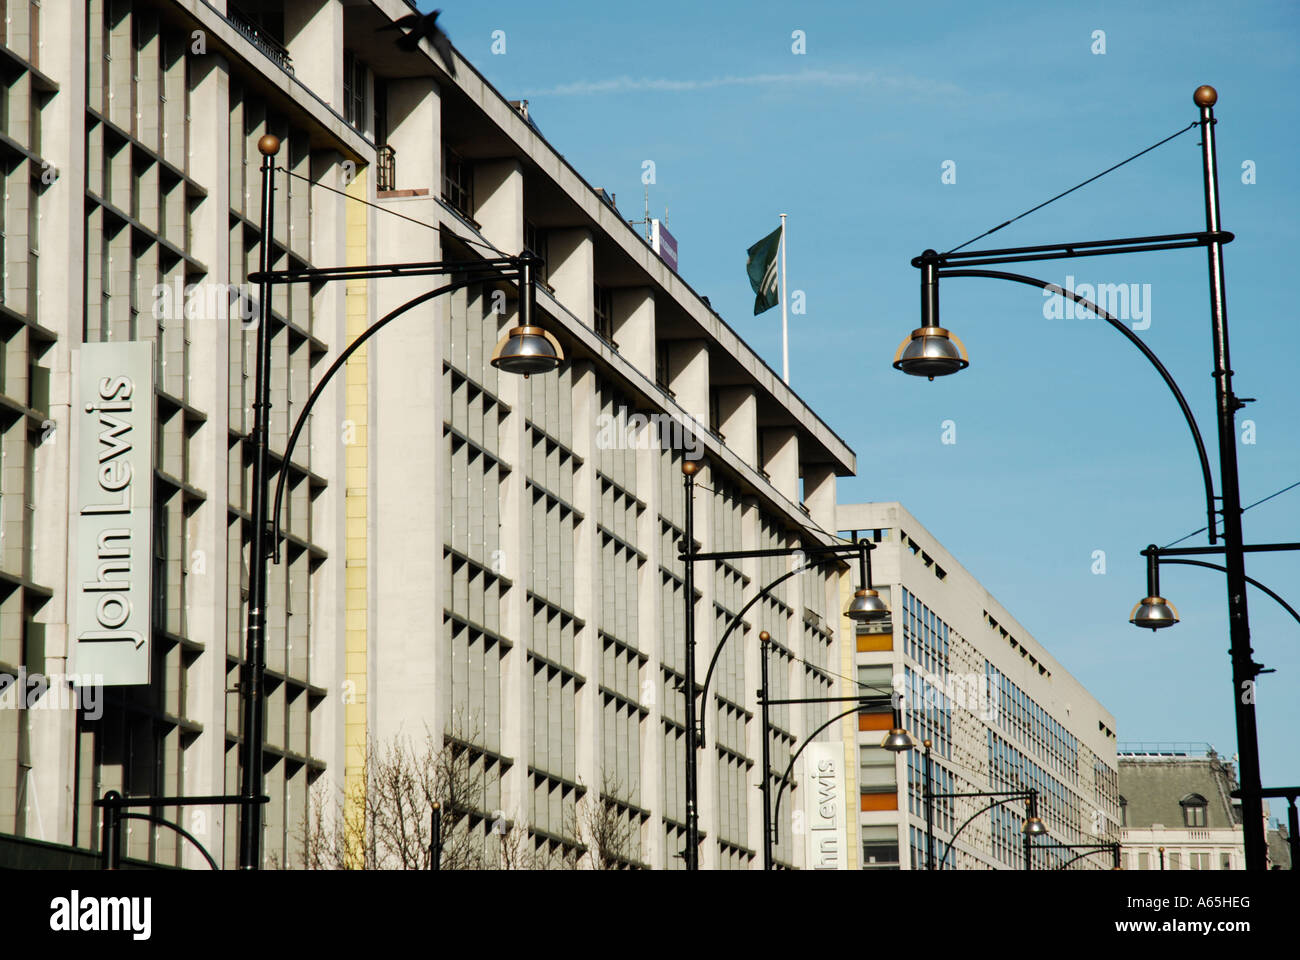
<point>761,267</point>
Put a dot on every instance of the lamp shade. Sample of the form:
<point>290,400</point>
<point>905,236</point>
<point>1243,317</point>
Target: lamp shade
<point>897,740</point>
<point>866,606</point>
<point>527,350</point>
<point>1034,827</point>
<point>931,352</point>
<point>1153,613</point>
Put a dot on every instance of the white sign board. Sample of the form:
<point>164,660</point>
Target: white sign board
<point>825,810</point>
<point>111,604</point>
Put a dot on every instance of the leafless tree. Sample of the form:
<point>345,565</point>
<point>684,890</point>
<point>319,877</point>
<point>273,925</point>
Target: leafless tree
<point>383,819</point>
<point>605,828</point>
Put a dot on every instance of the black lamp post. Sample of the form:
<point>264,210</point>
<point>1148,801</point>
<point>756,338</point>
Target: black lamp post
<point>1085,850</point>
<point>1032,827</point>
<point>865,606</point>
<point>526,349</point>
<point>931,351</point>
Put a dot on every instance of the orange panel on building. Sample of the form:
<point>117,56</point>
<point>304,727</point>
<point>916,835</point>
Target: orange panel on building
<point>875,721</point>
<point>869,642</point>
<point>880,801</point>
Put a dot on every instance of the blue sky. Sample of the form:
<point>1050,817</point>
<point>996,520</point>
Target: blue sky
<point>1067,442</point>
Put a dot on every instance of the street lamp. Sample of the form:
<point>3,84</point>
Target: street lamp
<point>932,351</point>
<point>1153,610</point>
<point>525,349</point>
<point>1147,612</point>
<point>866,606</point>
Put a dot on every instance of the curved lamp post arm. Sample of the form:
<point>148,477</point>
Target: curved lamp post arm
<point>1146,352</point>
<point>785,777</point>
<point>167,823</point>
<point>864,563</point>
<point>1110,849</point>
<point>282,472</point>
<point>996,803</point>
<point>735,622</point>
<point>1251,580</point>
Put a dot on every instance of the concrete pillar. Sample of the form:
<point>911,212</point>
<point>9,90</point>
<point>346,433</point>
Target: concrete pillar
<point>312,27</point>
<point>738,421</point>
<point>415,133</point>
<point>819,495</point>
<point>586,573</point>
<point>206,596</point>
<point>634,327</point>
<point>499,203</point>
<point>780,455</point>
<point>572,271</point>
<point>688,377</point>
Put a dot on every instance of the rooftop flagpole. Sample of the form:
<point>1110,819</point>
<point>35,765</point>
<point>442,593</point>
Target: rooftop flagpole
<point>785,327</point>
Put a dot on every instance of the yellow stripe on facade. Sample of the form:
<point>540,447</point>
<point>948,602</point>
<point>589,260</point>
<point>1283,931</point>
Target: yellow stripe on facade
<point>356,605</point>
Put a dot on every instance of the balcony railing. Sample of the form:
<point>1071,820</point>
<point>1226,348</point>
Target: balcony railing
<point>258,38</point>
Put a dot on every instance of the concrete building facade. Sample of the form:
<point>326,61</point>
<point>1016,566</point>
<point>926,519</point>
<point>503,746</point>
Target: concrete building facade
<point>1000,711</point>
<point>468,553</point>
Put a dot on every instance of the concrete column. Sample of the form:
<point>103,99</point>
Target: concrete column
<point>780,453</point>
<point>572,271</point>
<point>60,300</point>
<point>634,327</point>
<point>650,617</point>
<point>499,203</point>
<point>408,651</point>
<point>819,495</point>
<point>586,573</point>
<point>738,421</point>
<point>688,377</point>
<point>415,133</point>
<point>312,28</point>
<point>207,600</point>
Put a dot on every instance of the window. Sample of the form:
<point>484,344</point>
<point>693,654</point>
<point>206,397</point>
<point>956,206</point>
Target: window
<point>456,187</point>
<point>1225,861</point>
<point>1194,806</point>
<point>1175,861</point>
<point>1144,861</point>
<point>354,90</point>
<point>662,375</point>
<point>603,314</point>
<point>1200,861</point>
<point>535,242</point>
<point>876,679</point>
<point>880,848</point>
<point>876,770</point>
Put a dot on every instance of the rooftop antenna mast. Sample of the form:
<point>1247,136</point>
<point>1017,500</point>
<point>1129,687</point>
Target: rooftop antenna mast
<point>645,221</point>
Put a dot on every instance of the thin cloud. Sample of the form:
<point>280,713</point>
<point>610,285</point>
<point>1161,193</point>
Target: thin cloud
<point>848,79</point>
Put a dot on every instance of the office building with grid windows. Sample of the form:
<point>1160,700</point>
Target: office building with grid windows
<point>999,711</point>
<point>467,552</point>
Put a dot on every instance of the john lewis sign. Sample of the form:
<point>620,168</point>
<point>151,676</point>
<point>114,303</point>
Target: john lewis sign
<point>825,812</point>
<point>113,464</point>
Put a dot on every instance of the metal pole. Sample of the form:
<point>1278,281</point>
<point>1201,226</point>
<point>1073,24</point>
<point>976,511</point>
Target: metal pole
<point>111,838</point>
<point>767,758</point>
<point>785,323</point>
<point>1244,669</point>
<point>929,810</point>
<point>1115,855</point>
<point>1293,827</point>
<point>250,685</point>
<point>435,842</point>
<point>1031,810</point>
<point>689,468</point>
